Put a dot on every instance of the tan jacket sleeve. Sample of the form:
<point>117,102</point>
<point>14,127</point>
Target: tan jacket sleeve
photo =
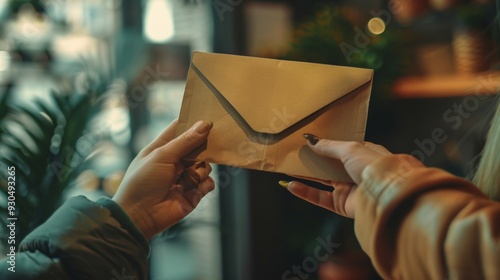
<point>424,223</point>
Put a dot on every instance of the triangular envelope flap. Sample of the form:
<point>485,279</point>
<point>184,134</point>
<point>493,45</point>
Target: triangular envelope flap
<point>271,95</point>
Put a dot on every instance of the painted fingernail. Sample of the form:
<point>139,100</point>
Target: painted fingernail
<point>311,138</point>
<point>284,184</point>
<point>202,126</point>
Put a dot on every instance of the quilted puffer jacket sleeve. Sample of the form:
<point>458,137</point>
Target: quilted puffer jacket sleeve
<point>82,240</point>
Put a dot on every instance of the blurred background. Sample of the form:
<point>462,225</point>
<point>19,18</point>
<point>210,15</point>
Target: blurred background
<point>85,84</point>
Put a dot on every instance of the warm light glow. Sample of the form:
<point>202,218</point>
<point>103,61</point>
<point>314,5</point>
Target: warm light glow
<point>376,26</point>
<point>88,181</point>
<point>158,21</point>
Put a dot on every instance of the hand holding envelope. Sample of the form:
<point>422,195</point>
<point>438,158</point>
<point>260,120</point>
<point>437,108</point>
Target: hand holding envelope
<point>260,108</point>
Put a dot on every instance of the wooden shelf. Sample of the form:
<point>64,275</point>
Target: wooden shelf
<point>447,86</point>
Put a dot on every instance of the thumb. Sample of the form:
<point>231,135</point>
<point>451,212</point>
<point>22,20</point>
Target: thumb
<point>191,139</point>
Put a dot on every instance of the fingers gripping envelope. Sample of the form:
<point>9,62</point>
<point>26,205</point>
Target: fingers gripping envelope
<point>261,107</point>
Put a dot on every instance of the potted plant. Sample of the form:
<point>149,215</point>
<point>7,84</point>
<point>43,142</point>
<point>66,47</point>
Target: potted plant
<point>40,142</point>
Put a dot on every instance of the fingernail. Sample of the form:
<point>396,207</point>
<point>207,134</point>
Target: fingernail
<point>311,138</point>
<point>284,184</point>
<point>202,126</point>
<point>200,164</point>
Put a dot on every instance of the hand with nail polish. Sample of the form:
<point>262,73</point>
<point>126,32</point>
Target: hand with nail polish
<point>158,189</point>
<point>355,156</point>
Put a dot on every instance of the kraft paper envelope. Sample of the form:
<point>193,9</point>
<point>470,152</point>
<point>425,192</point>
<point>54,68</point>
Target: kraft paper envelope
<point>261,107</point>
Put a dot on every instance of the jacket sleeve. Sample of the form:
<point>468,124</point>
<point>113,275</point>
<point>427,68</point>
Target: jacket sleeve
<point>82,240</point>
<point>423,223</point>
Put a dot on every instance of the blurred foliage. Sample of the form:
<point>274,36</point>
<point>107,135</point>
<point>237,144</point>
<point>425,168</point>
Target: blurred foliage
<point>49,141</point>
<point>44,141</point>
<point>339,36</point>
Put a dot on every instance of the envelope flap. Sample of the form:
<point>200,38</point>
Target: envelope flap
<point>272,95</point>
